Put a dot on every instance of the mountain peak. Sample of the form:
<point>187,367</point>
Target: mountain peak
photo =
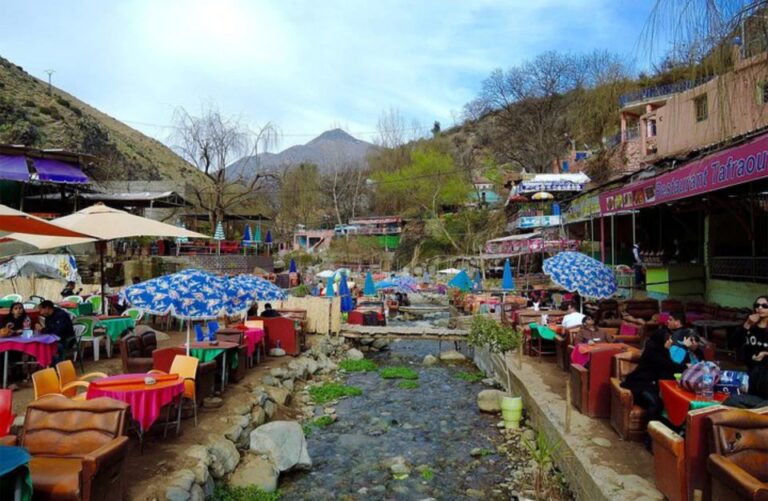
<point>335,135</point>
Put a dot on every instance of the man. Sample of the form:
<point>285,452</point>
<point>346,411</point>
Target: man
<point>269,312</point>
<point>683,343</point>
<point>57,322</point>
<point>69,289</point>
<point>572,317</point>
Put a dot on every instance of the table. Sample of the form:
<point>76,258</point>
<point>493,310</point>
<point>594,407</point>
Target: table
<point>15,478</point>
<point>41,346</point>
<point>79,309</point>
<point>145,400</point>
<point>528,315</point>
<point>251,335</point>
<point>114,326</point>
<point>677,401</point>
<point>205,352</point>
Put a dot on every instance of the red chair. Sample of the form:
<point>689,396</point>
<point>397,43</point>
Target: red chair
<point>282,331</point>
<point>592,386</point>
<point>6,412</point>
<point>355,318</point>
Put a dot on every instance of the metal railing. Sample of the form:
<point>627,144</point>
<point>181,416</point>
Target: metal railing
<point>747,268</point>
<point>659,91</point>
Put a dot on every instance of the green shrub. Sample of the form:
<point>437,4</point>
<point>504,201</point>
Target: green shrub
<point>470,377</point>
<point>301,291</point>
<point>323,421</point>
<point>333,391</point>
<point>408,385</point>
<point>398,373</point>
<point>487,333</point>
<point>358,365</point>
<point>251,493</point>
<point>427,474</point>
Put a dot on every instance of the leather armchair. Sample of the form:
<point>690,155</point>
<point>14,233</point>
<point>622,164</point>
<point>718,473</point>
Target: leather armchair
<point>628,419</point>
<point>281,329</point>
<point>591,386</point>
<point>643,309</point>
<point>672,305</point>
<point>606,313</point>
<point>205,379</point>
<point>77,448</point>
<point>563,347</point>
<point>132,356</point>
<point>148,343</point>
<point>238,373</point>
<point>739,445</point>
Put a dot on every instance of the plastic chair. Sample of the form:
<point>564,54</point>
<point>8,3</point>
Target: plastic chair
<point>36,299</point>
<point>68,374</point>
<point>135,313</point>
<point>186,368</point>
<point>213,328</point>
<point>199,333</point>
<point>97,304</point>
<point>46,382</point>
<point>16,298</point>
<point>73,299</point>
<point>89,335</point>
<point>6,412</point>
<point>73,348</point>
<point>29,305</point>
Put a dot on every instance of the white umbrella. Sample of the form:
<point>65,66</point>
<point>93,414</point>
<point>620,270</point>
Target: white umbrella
<point>14,221</point>
<point>450,271</point>
<point>325,274</point>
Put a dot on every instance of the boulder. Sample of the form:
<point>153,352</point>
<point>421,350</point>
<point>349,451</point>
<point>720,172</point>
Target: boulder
<point>277,352</point>
<point>366,341</point>
<point>490,400</point>
<point>380,344</point>
<point>281,396</point>
<point>429,360</point>
<point>278,372</point>
<point>258,416</point>
<point>225,457</point>
<point>212,402</point>
<point>452,356</point>
<point>270,407</point>
<point>255,470</point>
<point>311,366</point>
<point>196,493</point>
<point>284,443</point>
<point>288,384</point>
<point>355,354</point>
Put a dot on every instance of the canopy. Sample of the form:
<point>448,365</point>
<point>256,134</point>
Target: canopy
<point>253,288</point>
<point>14,168</point>
<point>542,195</point>
<point>23,224</point>
<point>450,271</point>
<point>346,298</point>
<point>577,272</point>
<point>507,280</point>
<point>292,267</point>
<point>56,266</point>
<point>325,274</point>
<point>56,171</point>
<point>370,288</point>
<point>461,281</point>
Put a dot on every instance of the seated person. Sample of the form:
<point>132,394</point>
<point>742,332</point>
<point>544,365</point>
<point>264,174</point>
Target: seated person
<point>686,344</point>
<point>589,333</point>
<point>754,332</point>
<point>572,317</point>
<point>269,312</point>
<point>405,301</point>
<point>57,322</point>
<point>69,289</point>
<point>16,319</point>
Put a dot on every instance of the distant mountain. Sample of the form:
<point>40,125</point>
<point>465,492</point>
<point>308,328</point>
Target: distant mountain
<point>330,149</point>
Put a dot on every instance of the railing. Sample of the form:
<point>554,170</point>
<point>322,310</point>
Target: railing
<point>740,268</point>
<point>661,90</point>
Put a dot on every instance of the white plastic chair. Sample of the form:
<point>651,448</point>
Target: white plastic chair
<point>16,298</point>
<point>73,299</point>
<point>29,305</point>
<point>135,313</point>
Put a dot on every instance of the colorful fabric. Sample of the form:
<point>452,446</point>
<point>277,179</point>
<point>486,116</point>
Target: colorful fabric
<point>582,352</point>
<point>145,401</point>
<point>116,326</point>
<point>250,288</point>
<point>577,272</point>
<point>461,281</point>
<point>43,347</point>
<point>677,401</point>
<point>252,338</point>
<point>14,462</point>
<point>206,354</point>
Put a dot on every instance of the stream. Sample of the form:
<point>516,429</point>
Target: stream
<point>434,427</point>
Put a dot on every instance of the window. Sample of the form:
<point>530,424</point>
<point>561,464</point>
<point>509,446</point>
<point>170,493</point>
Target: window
<point>762,93</point>
<point>702,111</point>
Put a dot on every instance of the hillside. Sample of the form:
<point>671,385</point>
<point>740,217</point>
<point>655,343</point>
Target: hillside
<point>29,116</point>
<point>331,148</point>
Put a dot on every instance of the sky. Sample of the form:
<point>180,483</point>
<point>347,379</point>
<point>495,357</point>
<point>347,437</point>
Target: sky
<point>304,65</point>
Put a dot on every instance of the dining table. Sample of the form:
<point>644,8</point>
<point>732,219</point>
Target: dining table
<point>252,336</point>
<point>15,476</point>
<point>531,315</point>
<point>41,346</point>
<point>114,326</point>
<point>205,351</point>
<point>678,401</point>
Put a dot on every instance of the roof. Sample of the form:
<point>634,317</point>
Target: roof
<point>523,236</point>
<point>23,164</point>
<point>139,199</point>
<point>377,220</point>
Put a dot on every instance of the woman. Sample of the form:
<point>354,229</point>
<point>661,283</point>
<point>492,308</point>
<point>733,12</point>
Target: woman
<point>16,317</point>
<point>754,333</point>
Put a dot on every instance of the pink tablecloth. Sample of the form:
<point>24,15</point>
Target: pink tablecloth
<point>252,337</point>
<point>42,347</point>
<point>145,401</point>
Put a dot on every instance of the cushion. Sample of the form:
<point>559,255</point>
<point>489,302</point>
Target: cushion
<point>56,478</point>
<point>628,330</point>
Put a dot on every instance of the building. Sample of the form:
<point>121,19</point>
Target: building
<point>484,194</point>
<point>312,241</point>
<point>386,229</point>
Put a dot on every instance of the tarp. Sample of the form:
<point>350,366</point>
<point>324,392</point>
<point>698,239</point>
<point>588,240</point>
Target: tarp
<point>56,171</point>
<point>461,281</point>
<point>56,266</point>
<point>14,168</point>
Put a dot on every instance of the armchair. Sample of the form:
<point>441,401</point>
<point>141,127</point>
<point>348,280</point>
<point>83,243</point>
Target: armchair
<point>282,330</point>
<point>205,378</point>
<point>564,344</point>
<point>591,386</point>
<point>77,447</point>
<point>606,313</point>
<point>739,444</point>
<point>67,375</point>
<point>627,418</point>
<point>132,355</point>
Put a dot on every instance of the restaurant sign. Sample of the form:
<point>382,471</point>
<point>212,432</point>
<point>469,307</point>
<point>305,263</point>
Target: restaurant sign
<point>731,167</point>
<point>582,208</point>
<point>528,222</point>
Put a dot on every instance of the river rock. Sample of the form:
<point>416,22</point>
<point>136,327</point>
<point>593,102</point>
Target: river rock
<point>278,372</point>
<point>277,352</point>
<point>268,381</point>
<point>490,400</point>
<point>429,360</point>
<point>270,407</point>
<point>199,452</point>
<point>281,396</point>
<point>176,494</point>
<point>288,384</point>
<point>452,356</point>
<point>212,402</point>
<point>380,344</point>
<point>365,341</point>
<point>490,382</point>
<point>225,456</point>
<point>183,479</point>
<point>284,443</point>
<point>258,416</point>
<point>355,354</point>
<point>311,366</point>
<point>196,493</point>
<point>255,470</point>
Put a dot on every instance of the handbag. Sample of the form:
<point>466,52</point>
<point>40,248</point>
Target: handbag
<point>695,373</point>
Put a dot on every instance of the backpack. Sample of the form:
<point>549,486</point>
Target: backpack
<point>695,373</point>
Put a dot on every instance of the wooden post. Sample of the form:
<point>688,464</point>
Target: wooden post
<point>520,356</point>
<point>568,405</point>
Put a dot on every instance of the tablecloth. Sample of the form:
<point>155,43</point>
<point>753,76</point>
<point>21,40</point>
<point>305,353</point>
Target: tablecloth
<point>581,352</point>
<point>14,462</point>
<point>79,309</point>
<point>116,326</point>
<point>145,401</point>
<point>6,303</point>
<point>43,347</point>
<point>208,354</point>
<point>677,401</point>
<point>253,337</point>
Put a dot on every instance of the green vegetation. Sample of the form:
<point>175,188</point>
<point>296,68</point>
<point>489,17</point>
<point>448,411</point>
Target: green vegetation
<point>358,365</point>
<point>323,421</point>
<point>398,373</point>
<point>486,333</point>
<point>470,377</point>
<point>427,474</point>
<point>408,385</point>
<point>486,452</point>
<point>333,391</point>
<point>224,492</point>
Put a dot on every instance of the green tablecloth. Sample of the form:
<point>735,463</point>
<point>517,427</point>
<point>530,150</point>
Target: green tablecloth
<point>82,309</point>
<point>116,326</point>
<point>208,354</point>
<point>6,303</point>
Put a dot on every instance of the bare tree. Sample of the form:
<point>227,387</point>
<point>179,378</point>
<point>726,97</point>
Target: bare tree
<point>391,128</point>
<point>212,142</point>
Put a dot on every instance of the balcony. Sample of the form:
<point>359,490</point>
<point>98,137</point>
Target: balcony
<point>659,92</point>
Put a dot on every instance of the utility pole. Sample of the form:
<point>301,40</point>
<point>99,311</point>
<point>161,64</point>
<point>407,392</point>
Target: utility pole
<point>50,72</point>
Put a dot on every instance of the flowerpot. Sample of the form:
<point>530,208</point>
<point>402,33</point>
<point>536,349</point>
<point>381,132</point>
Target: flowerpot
<point>511,414</point>
<point>511,403</point>
<point>512,425</point>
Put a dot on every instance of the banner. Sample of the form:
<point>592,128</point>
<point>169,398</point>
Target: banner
<point>59,266</point>
<point>582,208</point>
<point>731,167</point>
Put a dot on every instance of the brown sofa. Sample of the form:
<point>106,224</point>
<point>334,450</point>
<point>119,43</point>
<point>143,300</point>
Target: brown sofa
<point>591,386</point>
<point>628,419</point>
<point>739,460</point>
<point>132,355</point>
<point>77,448</point>
<point>605,312</point>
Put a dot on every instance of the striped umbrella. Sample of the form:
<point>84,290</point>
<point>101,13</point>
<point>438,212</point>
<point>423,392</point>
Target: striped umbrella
<point>218,235</point>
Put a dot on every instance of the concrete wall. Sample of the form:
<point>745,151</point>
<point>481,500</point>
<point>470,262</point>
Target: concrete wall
<point>732,293</point>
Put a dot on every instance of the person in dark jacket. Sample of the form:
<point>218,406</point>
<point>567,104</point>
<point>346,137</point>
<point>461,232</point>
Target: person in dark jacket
<point>269,312</point>
<point>69,290</point>
<point>57,322</point>
<point>754,336</point>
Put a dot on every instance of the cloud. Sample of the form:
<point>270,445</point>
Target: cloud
<point>301,64</point>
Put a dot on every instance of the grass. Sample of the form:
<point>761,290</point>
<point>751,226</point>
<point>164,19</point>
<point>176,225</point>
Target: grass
<point>408,385</point>
<point>470,377</point>
<point>398,373</point>
<point>251,493</point>
<point>333,391</point>
<point>427,474</point>
<point>358,365</point>
<point>323,421</point>
<point>486,452</point>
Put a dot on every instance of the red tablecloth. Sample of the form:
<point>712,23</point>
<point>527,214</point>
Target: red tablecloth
<point>43,347</point>
<point>677,401</point>
<point>253,336</point>
<point>145,401</point>
<point>580,353</point>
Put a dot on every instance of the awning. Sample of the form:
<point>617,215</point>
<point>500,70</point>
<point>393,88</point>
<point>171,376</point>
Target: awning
<point>56,171</point>
<point>523,236</point>
<point>14,168</point>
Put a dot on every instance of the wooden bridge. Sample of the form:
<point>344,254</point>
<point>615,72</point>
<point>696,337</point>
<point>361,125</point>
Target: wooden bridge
<point>403,332</point>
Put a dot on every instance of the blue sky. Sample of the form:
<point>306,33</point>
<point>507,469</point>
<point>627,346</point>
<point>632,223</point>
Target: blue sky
<point>304,65</point>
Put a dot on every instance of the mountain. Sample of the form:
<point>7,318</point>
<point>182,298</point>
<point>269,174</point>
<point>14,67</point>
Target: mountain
<point>29,115</point>
<point>331,148</point>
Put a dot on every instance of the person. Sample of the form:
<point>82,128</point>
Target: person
<point>686,344</point>
<point>637,265</point>
<point>406,300</point>
<point>572,317</point>
<point>269,312</point>
<point>17,318</point>
<point>399,298</point>
<point>754,353</point>
<point>136,280</point>
<point>589,333</point>
<point>69,289</point>
<point>57,322</point>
